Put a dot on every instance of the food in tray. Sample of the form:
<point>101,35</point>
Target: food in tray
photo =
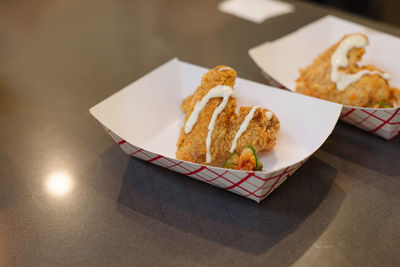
<point>335,75</point>
<point>247,160</point>
<point>214,134</point>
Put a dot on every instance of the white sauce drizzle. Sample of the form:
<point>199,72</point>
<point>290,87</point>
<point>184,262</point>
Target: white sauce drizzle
<point>225,68</point>
<point>243,127</point>
<point>269,115</point>
<point>223,91</point>
<point>339,59</point>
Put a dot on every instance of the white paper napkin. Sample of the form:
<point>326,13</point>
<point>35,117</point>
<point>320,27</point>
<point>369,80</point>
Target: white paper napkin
<point>255,10</point>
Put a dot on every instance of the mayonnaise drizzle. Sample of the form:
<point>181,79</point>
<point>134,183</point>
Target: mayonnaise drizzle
<point>225,68</point>
<point>269,115</point>
<point>339,59</point>
<point>243,127</point>
<point>223,91</point>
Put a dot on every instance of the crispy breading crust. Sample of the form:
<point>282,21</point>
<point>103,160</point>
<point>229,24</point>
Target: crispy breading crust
<point>315,81</point>
<point>261,133</point>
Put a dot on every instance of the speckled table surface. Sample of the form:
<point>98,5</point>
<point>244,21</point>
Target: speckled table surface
<point>70,197</point>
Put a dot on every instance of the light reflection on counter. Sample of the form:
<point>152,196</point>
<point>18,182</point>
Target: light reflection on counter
<point>59,183</point>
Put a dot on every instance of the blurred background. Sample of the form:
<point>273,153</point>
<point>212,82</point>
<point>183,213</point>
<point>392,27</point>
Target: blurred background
<point>387,11</point>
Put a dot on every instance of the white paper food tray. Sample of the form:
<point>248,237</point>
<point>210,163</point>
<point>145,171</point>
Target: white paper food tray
<point>281,60</point>
<point>145,120</point>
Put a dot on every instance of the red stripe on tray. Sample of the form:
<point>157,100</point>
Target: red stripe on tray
<point>240,182</point>
<point>174,165</point>
<point>385,122</point>
<point>137,151</point>
<point>372,114</point>
<point>121,142</point>
<point>272,186</point>
<point>277,177</point>
<point>196,171</point>
<point>348,113</point>
<point>155,158</point>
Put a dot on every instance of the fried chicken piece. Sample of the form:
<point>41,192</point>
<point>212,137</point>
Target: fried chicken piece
<point>394,99</point>
<point>260,134</point>
<point>315,80</point>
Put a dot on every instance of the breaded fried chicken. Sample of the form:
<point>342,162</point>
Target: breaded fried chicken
<point>315,80</point>
<point>261,132</point>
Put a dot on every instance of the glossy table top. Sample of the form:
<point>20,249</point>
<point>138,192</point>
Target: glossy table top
<point>70,197</point>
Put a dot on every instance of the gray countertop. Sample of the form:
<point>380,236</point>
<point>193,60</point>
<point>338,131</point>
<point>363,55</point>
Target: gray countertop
<point>59,58</point>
